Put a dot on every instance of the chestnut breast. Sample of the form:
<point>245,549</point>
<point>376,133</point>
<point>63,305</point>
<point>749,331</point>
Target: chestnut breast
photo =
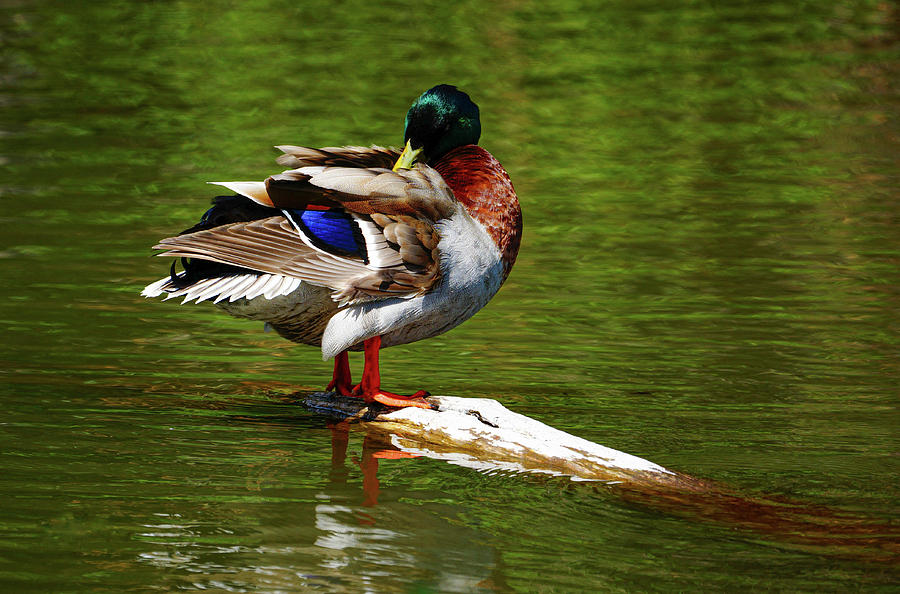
<point>481,184</point>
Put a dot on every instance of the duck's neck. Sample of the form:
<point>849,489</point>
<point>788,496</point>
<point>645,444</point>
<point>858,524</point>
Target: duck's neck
<point>481,184</point>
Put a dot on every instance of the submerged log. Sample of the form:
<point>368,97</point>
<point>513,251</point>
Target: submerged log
<point>483,434</point>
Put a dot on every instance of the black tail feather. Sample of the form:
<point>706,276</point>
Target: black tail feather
<point>225,211</point>
<point>231,209</point>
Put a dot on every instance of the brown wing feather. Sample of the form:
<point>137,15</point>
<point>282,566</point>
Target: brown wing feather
<point>295,157</point>
<point>416,243</point>
<point>403,205</point>
<point>272,245</point>
<point>419,192</point>
<point>268,245</point>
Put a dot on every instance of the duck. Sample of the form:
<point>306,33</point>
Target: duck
<point>360,248</point>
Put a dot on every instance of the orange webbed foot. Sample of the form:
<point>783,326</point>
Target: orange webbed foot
<point>393,400</point>
<point>398,401</point>
<point>370,387</point>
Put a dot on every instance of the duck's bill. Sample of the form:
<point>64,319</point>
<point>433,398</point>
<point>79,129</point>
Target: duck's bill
<point>408,157</point>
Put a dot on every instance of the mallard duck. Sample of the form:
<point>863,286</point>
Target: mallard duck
<point>356,248</point>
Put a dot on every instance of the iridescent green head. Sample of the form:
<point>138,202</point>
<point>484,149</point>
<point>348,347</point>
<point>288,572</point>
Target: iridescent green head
<point>441,119</point>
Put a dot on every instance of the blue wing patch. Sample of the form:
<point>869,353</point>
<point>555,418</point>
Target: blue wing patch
<point>332,231</point>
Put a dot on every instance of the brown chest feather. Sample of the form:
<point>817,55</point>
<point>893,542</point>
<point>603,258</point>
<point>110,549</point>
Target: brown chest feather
<point>481,184</point>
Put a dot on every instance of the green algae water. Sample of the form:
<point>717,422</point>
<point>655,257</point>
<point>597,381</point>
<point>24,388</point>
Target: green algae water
<point>708,279</point>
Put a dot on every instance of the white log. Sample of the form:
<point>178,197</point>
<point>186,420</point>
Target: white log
<point>483,434</point>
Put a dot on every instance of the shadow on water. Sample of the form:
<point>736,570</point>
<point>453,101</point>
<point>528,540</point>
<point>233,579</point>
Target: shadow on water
<point>788,522</point>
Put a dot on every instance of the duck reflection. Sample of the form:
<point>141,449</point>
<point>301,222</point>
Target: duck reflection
<point>290,520</point>
<point>372,451</point>
<point>397,536</point>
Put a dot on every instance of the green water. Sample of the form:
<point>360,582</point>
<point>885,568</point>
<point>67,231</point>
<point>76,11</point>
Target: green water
<point>708,279</point>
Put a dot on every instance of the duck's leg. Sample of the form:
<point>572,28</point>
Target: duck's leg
<point>370,386</point>
<point>341,381</point>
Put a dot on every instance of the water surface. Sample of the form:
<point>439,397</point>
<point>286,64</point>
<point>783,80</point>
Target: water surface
<point>708,279</point>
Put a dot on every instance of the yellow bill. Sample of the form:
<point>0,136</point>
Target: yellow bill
<point>407,157</point>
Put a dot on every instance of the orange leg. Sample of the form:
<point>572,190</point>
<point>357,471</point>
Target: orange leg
<point>370,386</point>
<point>341,381</point>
